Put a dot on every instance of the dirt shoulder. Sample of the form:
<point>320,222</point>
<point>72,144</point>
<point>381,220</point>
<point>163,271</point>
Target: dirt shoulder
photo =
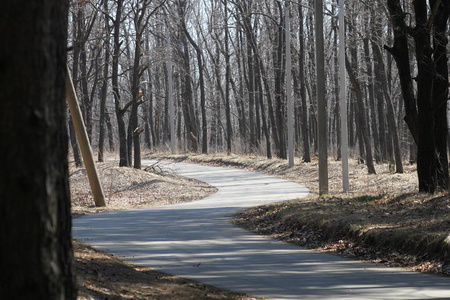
<point>103,276</point>
<point>383,219</point>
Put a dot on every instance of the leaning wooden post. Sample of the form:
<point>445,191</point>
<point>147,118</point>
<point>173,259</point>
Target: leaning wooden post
<point>83,141</point>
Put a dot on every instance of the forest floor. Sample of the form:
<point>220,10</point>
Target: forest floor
<point>383,219</point>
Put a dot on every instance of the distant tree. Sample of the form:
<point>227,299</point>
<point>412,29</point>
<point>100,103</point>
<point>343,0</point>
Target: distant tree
<point>189,114</point>
<point>104,88</point>
<point>119,109</point>
<point>35,221</point>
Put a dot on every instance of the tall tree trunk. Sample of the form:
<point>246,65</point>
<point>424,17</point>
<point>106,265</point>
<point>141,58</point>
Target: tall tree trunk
<point>104,89</point>
<point>376,29</point>
<point>304,119</point>
<point>381,75</point>
<point>400,52</point>
<point>186,85</point>
<point>227,81</point>
<point>362,118</point>
<point>35,218</point>
<point>371,99</point>
<point>426,155</point>
<point>260,100</point>
<point>123,149</point>
<point>279,82</point>
<point>140,23</point>
<point>440,90</point>
<point>251,91</point>
<point>75,67</point>
<point>239,92</point>
<point>202,91</point>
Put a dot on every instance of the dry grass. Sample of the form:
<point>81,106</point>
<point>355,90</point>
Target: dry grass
<point>127,188</point>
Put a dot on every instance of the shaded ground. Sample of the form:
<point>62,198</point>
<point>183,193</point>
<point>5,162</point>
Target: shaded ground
<point>103,276</point>
<point>383,219</point>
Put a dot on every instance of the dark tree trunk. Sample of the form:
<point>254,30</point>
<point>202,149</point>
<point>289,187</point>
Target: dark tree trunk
<point>104,90</point>
<point>35,218</point>
<point>140,22</point>
<point>304,114</point>
<point>393,132</point>
<point>76,58</point>
<point>110,131</point>
<point>123,149</point>
<point>202,90</point>
<point>186,85</point>
<point>440,91</point>
<point>426,155</point>
<point>400,52</point>
<point>432,84</point>
<point>279,62</point>
<point>376,29</point>
<point>362,119</point>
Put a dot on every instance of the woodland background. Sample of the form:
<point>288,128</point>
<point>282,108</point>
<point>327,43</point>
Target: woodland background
<point>227,60</point>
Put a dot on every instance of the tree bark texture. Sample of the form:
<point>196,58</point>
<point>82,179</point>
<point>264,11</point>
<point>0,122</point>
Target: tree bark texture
<point>190,119</point>
<point>35,219</point>
<point>304,116</point>
<point>123,149</point>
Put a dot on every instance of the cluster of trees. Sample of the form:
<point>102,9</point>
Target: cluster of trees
<point>227,68</point>
<point>420,31</point>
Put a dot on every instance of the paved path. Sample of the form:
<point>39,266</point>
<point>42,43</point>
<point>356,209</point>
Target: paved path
<point>195,240</point>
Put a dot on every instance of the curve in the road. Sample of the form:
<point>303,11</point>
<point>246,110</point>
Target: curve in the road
<point>196,240</point>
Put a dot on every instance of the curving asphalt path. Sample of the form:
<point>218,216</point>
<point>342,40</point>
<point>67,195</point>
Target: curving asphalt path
<point>196,240</point>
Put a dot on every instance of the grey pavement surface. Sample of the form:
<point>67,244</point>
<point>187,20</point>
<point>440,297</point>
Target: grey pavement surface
<point>196,240</point>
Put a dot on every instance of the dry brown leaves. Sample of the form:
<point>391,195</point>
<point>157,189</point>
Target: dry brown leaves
<point>128,188</point>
